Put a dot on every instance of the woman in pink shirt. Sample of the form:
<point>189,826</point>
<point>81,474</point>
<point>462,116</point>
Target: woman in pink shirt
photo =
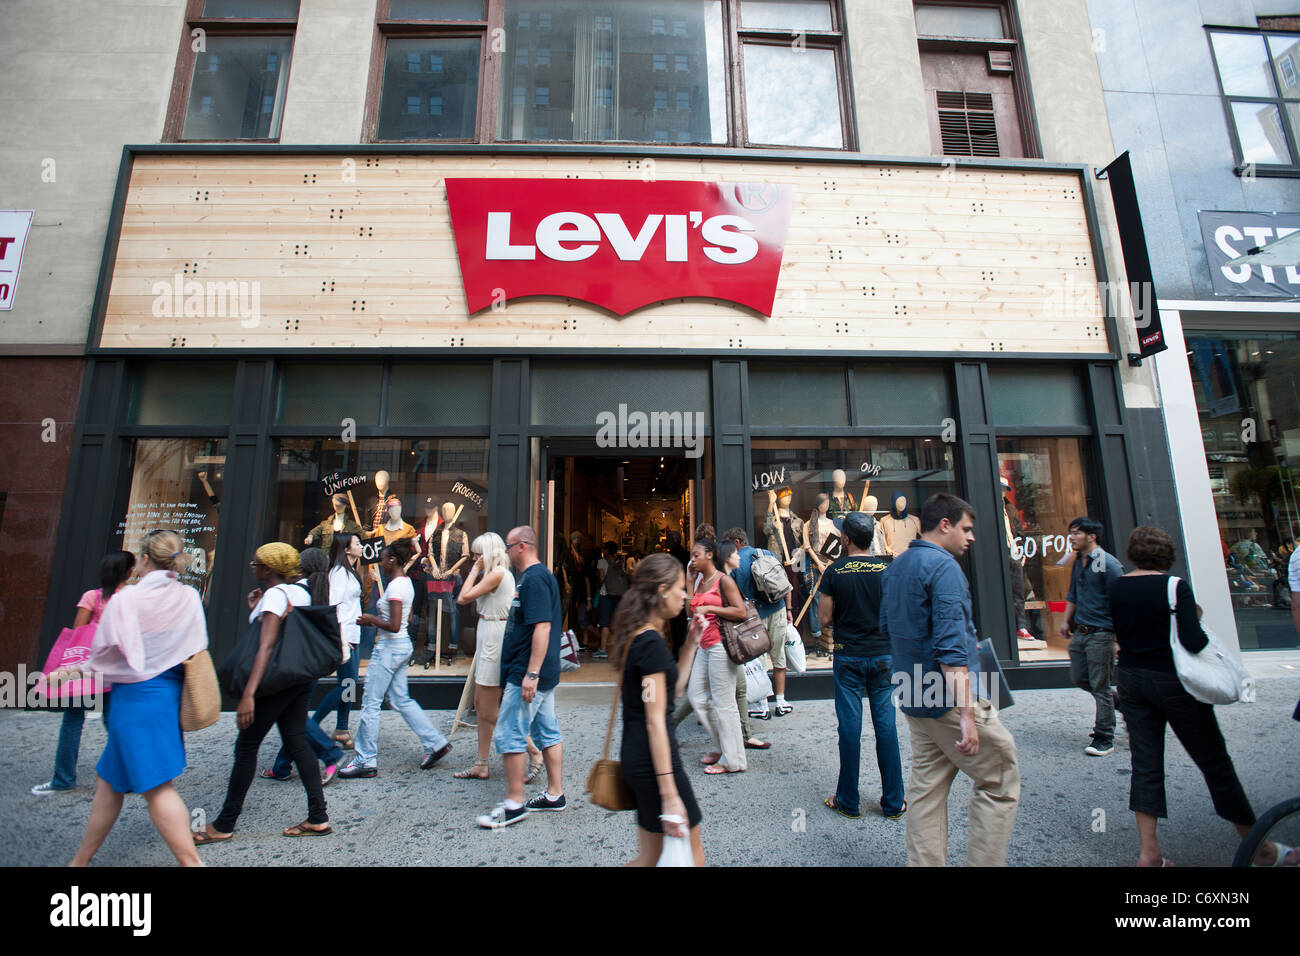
<point>713,678</point>
<point>114,570</point>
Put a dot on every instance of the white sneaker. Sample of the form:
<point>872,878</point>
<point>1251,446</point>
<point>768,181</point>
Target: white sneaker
<point>500,816</point>
<point>45,789</point>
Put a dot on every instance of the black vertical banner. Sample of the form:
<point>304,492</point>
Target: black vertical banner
<point>1137,262</point>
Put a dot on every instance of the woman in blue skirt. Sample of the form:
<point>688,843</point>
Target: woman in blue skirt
<point>147,633</point>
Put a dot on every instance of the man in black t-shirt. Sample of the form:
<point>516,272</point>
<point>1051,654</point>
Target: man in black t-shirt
<point>850,597</point>
<point>530,671</point>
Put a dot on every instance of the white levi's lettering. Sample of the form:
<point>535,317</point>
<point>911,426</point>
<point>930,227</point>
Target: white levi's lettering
<point>573,236</point>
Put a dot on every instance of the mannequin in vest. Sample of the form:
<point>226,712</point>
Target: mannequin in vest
<point>449,553</point>
<point>380,514</point>
<point>899,528</point>
<point>817,530</point>
<point>870,506</point>
<point>322,536</point>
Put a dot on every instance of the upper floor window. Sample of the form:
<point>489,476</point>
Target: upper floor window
<point>976,84</point>
<point>232,70</point>
<point>736,66</point>
<point>1261,95</point>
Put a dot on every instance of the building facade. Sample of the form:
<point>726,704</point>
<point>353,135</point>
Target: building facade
<point>603,268</point>
<point>1206,98</point>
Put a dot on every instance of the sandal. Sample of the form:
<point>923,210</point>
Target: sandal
<point>534,771</point>
<point>759,745</point>
<point>202,838</point>
<point>470,774</point>
<point>271,775</point>
<point>344,740</point>
<point>304,829</point>
<point>834,804</point>
<point>709,763</point>
<point>716,768</point>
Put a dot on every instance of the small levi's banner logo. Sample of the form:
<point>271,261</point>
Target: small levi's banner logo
<point>76,909</point>
<point>619,244</point>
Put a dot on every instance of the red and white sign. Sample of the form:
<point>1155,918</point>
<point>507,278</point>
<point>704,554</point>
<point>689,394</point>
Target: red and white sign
<point>619,244</point>
<point>14,227</point>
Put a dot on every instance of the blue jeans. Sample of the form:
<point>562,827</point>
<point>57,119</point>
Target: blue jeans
<point>335,699</point>
<point>65,757</point>
<point>322,746</point>
<point>810,581</point>
<point>386,674</point>
<point>854,677</point>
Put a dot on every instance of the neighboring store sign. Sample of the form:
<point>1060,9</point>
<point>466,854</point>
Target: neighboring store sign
<point>1228,235</point>
<point>619,244</point>
<point>1137,261</point>
<point>15,224</point>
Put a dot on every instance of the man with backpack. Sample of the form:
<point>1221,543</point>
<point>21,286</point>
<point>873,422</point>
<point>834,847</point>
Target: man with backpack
<point>770,591</point>
<point>614,583</point>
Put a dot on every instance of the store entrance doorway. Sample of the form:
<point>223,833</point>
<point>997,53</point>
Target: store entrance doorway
<point>589,498</point>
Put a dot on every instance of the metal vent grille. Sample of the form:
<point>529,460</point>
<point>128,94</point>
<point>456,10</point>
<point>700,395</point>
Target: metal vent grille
<point>966,124</point>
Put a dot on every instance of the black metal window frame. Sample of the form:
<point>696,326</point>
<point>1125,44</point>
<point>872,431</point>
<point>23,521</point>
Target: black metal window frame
<point>1290,132</point>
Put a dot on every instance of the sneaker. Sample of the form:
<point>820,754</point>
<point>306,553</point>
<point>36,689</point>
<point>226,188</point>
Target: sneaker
<point>760,714</point>
<point>600,656</point>
<point>355,770</point>
<point>45,789</point>
<point>899,814</point>
<point>432,758</point>
<point>501,816</point>
<point>783,709</point>
<point>327,775</point>
<point>1099,748</point>
<point>543,802</point>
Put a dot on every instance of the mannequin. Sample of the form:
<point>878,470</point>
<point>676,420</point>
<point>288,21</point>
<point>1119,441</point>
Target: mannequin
<point>784,534</point>
<point>841,501</point>
<point>899,528</point>
<point>1016,565</point>
<point>870,506</point>
<point>381,505</point>
<point>337,523</point>
<point>449,552</point>
<point>395,528</point>
<point>816,532</point>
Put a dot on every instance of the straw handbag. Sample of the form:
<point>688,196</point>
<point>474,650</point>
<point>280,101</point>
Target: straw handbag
<point>200,696</point>
<point>605,783</point>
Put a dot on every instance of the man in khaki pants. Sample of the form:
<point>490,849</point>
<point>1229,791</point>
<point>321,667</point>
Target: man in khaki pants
<point>926,610</point>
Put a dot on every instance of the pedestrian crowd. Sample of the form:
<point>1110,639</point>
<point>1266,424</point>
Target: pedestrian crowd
<point>903,639</point>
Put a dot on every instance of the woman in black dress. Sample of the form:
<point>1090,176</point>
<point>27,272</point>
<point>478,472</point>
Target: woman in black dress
<point>1151,696</point>
<point>652,766</point>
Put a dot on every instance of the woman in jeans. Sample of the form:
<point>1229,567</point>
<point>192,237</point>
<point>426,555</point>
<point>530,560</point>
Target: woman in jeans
<point>652,767</point>
<point>147,633</point>
<point>347,592</point>
<point>491,584</point>
<point>1151,696</point>
<point>386,672</point>
<point>713,677</point>
<point>274,566</point>
<point>114,570</point>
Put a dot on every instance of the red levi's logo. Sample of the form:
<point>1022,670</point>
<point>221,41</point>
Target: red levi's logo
<point>619,244</point>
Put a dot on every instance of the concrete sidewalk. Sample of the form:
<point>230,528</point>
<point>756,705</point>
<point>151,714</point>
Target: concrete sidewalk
<point>1074,808</point>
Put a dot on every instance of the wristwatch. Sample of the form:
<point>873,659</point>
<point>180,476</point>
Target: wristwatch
<point>533,675</point>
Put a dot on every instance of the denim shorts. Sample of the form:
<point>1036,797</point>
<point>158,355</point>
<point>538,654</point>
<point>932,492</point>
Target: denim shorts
<point>516,720</point>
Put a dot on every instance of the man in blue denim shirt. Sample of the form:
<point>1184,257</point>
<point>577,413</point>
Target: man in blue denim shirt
<point>926,611</point>
<point>850,599</point>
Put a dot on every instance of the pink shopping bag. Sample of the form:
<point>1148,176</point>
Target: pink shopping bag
<point>72,649</point>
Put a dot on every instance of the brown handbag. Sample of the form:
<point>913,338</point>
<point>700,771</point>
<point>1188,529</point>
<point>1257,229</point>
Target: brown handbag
<point>605,783</point>
<point>200,695</point>
<point>747,639</point>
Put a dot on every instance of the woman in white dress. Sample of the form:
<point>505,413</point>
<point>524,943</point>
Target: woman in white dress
<point>492,586</point>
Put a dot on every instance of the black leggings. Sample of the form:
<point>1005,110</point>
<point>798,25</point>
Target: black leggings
<point>288,711</point>
<point>1151,699</point>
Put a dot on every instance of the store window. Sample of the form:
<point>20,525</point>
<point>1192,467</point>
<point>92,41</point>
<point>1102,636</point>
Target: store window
<point>1260,86</point>
<point>176,486</point>
<point>1250,426</point>
<point>182,393</point>
<point>440,484</point>
<point>232,70</point>
<point>888,478</point>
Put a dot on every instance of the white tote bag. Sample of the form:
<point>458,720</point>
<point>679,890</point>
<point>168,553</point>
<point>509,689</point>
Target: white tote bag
<point>676,850</point>
<point>1213,676</point>
<point>758,686</point>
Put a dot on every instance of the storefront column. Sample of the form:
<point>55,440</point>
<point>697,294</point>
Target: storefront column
<point>990,582</point>
<point>1117,484</point>
<point>508,445</point>
<point>731,466</point>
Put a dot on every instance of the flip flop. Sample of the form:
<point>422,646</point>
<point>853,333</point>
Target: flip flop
<point>709,763</point>
<point>303,830</point>
<point>202,839</point>
<point>761,745</point>
<point>717,768</point>
<point>834,804</point>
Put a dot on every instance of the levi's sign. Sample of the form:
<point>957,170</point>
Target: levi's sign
<point>619,244</point>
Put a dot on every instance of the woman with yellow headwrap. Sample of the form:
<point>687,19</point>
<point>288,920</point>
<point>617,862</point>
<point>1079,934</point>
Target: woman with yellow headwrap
<point>275,566</point>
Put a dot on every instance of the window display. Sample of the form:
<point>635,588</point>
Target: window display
<point>432,491</point>
<point>1046,484</point>
<point>175,486</point>
<point>802,491</point>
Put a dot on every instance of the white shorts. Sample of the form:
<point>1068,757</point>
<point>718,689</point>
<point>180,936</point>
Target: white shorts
<point>487,658</point>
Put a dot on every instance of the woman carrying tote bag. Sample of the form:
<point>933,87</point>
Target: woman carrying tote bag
<point>274,566</point>
<point>1151,696</point>
<point>146,634</point>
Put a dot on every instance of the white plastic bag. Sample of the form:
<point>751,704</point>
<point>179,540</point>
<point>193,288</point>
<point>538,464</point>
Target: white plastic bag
<point>758,686</point>
<point>1213,676</point>
<point>676,850</point>
<point>795,657</point>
